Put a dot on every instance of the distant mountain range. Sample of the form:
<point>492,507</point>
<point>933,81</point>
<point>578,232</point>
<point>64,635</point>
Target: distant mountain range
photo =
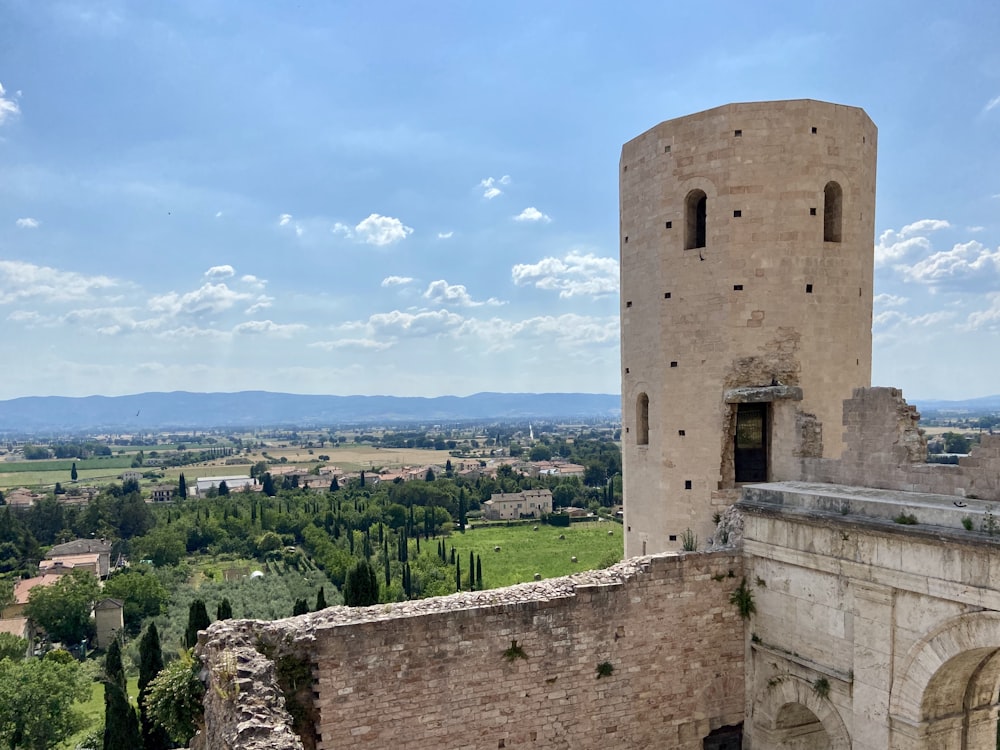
<point>183,410</point>
<point>981,405</point>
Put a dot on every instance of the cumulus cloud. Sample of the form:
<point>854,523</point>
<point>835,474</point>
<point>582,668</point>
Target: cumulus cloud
<point>966,263</point>
<point>382,230</point>
<point>371,344</point>
<point>988,319</point>
<point>8,107</point>
<point>27,223</point>
<point>442,292</point>
<point>262,303</point>
<point>268,327</point>
<point>20,280</point>
<point>892,246</point>
<point>284,220</point>
<point>574,275</point>
<point>424,323</point>
<point>396,281</point>
<point>889,300</point>
<point>341,228</point>
<point>532,214</point>
<point>566,332</point>
<point>491,188</point>
<point>250,280</point>
<point>445,235</point>
<point>219,272</point>
<point>991,104</point>
<point>209,298</point>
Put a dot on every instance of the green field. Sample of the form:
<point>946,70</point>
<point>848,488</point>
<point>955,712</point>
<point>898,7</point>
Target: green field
<point>65,464</point>
<point>93,709</point>
<point>524,552</point>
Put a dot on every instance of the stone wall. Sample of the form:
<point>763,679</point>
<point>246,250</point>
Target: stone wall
<point>506,668</point>
<point>885,448</point>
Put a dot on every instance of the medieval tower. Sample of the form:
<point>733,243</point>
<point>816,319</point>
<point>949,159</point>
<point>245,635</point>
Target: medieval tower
<point>747,235</point>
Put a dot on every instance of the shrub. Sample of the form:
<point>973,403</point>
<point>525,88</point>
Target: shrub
<point>174,699</point>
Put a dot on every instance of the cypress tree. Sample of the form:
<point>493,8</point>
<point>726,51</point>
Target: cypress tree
<point>301,607</point>
<point>479,573</point>
<point>462,509</point>
<point>182,487</point>
<point>320,599</point>
<point>154,737</point>
<point>224,611</point>
<point>458,572</point>
<point>121,726</point>
<point>73,473</point>
<point>197,620</point>
<point>472,571</point>
<point>361,585</point>
<point>388,572</point>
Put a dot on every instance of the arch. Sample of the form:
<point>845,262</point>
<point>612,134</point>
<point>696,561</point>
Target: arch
<point>790,714</point>
<point>833,211</point>
<point>695,219</point>
<point>642,419</point>
<point>950,679</point>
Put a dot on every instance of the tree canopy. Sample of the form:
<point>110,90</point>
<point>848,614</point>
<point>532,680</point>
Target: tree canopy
<point>63,609</point>
<point>37,696</point>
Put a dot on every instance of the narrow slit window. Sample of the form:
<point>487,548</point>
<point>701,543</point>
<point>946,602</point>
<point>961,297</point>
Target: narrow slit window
<point>833,208</point>
<point>696,213</point>
<point>642,420</point>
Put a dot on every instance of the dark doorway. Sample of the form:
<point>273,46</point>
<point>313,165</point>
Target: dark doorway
<point>750,454</point>
<point>724,738</point>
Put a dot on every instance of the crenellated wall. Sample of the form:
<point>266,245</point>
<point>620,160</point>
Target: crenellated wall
<point>507,668</point>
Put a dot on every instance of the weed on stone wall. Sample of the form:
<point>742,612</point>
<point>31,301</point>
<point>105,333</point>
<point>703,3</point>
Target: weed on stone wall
<point>742,597</point>
<point>605,669</point>
<point>907,519</point>
<point>514,652</point>
<point>821,686</point>
<point>689,541</point>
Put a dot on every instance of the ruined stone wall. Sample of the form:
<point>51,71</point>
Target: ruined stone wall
<point>886,449</point>
<point>514,667</point>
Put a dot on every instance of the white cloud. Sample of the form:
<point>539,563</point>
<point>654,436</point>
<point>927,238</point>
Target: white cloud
<point>185,333</point>
<point>209,298</point>
<point>218,214</point>
<point>382,230</point>
<point>341,228</point>
<point>250,280</point>
<point>396,281</point>
<point>27,223</point>
<point>284,220</point>
<point>352,344</point>
<point>8,107</point>
<point>442,292</point>
<point>532,214</point>
<point>889,300</point>
<point>922,226</point>
<point>20,280</point>
<point>445,235</point>
<point>988,318</point>
<point>424,323</point>
<point>576,274</point>
<point>966,263</point>
<point>489,185</point>
<point>268,327</point>
<point>262,303</point>
<point>991,104</point>
<point>219,272</point>
<point>569,331</point>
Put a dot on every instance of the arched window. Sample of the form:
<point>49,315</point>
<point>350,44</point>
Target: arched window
<point>642,420</point>
<point>833,209</point>
<point>695,211</point>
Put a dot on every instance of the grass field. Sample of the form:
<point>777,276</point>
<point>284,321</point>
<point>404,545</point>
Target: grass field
<point>93,708</point>
<point>524,552</point>
<point>352,457</point>
<point>66,464</point>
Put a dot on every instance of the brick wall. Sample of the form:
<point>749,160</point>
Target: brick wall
<point>445,672</point>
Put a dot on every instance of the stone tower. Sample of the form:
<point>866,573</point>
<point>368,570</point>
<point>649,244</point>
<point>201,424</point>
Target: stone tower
<point>747,236</point>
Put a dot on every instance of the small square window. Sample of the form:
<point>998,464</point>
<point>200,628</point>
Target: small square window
<point>737,287</point>
<point>628,304</point>
<point>626,371</point>
<point>673,537</point>
<point>666,295</point>
<point>666,149</point>
<point>687,484</point>
<point>812,211</point>
<point>673,364</point>
<point>738,133</point>
<point>670,225</point>
<point>680,432</point>
<point>737,213</point>
<point>815,131</point>
<point>626,239</point>
<point>809,288</point>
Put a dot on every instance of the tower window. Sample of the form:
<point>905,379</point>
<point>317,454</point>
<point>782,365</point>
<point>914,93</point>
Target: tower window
<point>738,133</point>
<point>687,484</point>
<point>628,304</point>
<point>737,287</point>
<point>737,213</point>
<point>833,207</point>
<point>695,213</point>
<point>812,211</point>
<point>642,420</point>
<point>815,131</point>
<point>670,225</point>
<point>666,295</point>
<point>809,288</point>
<point>666,149</point>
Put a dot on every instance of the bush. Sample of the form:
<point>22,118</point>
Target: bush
<point>174,699</point>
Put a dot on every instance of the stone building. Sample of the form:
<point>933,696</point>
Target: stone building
<point>746,303</point>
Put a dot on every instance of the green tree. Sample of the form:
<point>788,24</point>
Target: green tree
<point>224,611</point>
<point>182,487</point>
<point>12,647</point>
<point>955,442</point>
<point>174,698</point>
<point>37,696</point>
<point>143,594</point>
<point>320,599</point>
<point>223,488</point>
<point>301,607</point>
<point>162,546</point>
<point>121,726</point>
<point>63,609</point>
<point>361,586</point>
<point>73,474</point>
<point>267,484</point>
<point>154,737</point>
<point>197,620</point>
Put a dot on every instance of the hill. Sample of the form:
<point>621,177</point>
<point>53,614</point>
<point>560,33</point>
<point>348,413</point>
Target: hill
<point>184,410</point>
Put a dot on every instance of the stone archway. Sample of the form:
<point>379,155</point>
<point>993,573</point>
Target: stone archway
<point>789,715</point>
<point>946,694</point>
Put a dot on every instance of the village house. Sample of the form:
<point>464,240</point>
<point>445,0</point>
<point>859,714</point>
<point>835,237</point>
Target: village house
<point>76,547</point>
<point>503,506</point>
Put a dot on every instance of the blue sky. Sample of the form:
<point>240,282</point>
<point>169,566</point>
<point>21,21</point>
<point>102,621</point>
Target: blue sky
<point>421,198</point>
